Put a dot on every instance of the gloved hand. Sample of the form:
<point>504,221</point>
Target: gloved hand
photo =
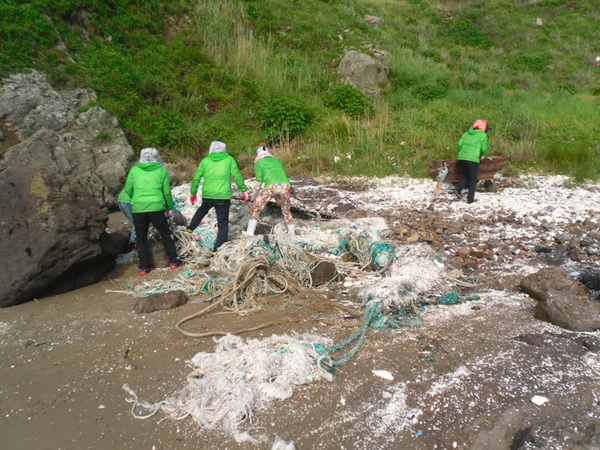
<point>193,199</point>
<point>246,197</point>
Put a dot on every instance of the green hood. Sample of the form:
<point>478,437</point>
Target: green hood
<point>149,166</point>
<point>218,156</point>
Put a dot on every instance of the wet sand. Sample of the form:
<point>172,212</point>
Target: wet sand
<point>66,358</point>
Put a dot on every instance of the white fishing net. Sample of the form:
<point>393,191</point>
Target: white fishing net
<point>226,386</point>
<point>416,272</point>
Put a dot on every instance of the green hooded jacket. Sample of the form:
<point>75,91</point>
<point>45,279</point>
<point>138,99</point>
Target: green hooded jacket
<point>149,187</point>
<point>472,145</point>
<point>269,170</point>
<point>217,169</point>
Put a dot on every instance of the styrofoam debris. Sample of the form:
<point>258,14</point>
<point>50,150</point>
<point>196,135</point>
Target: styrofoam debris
<point>539,400</point>
<point>383,374</point>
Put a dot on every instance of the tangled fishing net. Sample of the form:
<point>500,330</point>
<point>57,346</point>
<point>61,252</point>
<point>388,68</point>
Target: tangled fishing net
<point>282,253</point>
<point>253,268</point>
<point>226,386</point>
<point>189,281</point>
<point>416,273</point>
<point>283,262</point>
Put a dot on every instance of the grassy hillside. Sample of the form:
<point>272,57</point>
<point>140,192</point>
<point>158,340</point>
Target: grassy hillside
<point>179,74</point>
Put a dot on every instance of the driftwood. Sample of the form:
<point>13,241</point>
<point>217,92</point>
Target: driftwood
<point>487,169</point>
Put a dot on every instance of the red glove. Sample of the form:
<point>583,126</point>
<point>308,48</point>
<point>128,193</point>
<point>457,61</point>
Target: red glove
<point>246,197</point>
<point>193,199</point>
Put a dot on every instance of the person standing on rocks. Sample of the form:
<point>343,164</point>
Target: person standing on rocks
<point>276,184</point>
<point>472,146</point>
<point>149,187</point>
<point>216,169</point>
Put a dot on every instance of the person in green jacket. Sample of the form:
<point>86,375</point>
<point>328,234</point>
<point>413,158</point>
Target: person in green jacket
<point>472,146</point>
<point>216,169</point>
<point>276,184</point>
<point>149,187</point>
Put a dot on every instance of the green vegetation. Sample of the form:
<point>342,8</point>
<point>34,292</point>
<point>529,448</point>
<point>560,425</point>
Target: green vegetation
<point>180,73</point>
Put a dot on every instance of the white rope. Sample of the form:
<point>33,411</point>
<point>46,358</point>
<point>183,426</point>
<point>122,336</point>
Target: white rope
<point>227,385</point>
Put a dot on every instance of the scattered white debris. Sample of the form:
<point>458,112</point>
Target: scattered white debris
<point>383,374</point>
<point>539,400</point>
<point>280,444</point>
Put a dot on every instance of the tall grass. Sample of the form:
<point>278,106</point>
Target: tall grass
<point>180,74</point>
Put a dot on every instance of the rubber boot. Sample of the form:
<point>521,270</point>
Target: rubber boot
<point>291,229</point>
<point>251,227</point>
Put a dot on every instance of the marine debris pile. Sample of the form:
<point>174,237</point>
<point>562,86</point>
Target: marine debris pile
<point>393,283</point>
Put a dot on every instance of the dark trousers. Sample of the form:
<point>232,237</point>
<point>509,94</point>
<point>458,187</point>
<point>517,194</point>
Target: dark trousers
<point>471,172</point>
<point>222,211</point>
<point>141,222</point>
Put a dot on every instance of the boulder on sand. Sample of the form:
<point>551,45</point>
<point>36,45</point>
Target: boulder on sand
<point>563,301</point>
<point>52,236</point>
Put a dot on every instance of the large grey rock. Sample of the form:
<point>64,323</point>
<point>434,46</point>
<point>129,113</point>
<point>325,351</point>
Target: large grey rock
<point>563,301</point>
<point>90,149</point>
<point>94,153</point>
<point>29,103</point>
<point>364,71</point>
<point>52,235</point>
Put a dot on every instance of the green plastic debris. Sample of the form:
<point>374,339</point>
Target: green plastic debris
<point>456,299</point>
<point>207,239</point>
<point>382,255</point>
<point>450,299</point>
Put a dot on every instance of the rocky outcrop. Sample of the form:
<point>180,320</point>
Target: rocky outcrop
<point>52,236</point>
<point>563,301</point>
<point>29,104</point>
<point>90,149</point>
<point>364,71</point>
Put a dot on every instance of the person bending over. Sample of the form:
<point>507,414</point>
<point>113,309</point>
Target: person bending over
<point>276,184</point>
<point>472,146</point>
<point>216,169</point>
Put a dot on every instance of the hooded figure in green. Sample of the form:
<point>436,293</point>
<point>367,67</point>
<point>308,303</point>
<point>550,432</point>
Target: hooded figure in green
<point>472,146</point>
<point>149,187</point>
<point>275,185</point>
<point>216,170</point>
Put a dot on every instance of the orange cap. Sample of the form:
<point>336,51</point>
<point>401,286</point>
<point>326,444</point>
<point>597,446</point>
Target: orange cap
<point>480,124</point>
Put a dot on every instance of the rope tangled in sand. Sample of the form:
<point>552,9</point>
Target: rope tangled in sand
<point>227,385</point>
<point>244,294</point>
